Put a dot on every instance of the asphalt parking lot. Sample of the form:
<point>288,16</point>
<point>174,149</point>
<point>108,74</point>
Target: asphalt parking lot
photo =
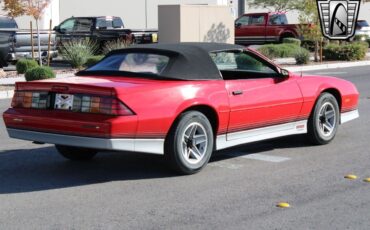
<point>239,189</point>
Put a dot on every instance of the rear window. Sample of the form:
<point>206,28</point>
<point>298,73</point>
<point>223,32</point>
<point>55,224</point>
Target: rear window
<point>146,63</point>
<point>109,23</point>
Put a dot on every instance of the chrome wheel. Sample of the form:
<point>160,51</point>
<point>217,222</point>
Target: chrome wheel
<point>194,143</point>
<point>327,119</point>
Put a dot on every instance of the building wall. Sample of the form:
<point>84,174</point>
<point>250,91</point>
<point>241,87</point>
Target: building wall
<point>192,23</point>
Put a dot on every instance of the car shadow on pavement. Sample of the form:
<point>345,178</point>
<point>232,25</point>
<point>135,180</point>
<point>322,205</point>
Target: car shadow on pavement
<point>43,169</point>
<point>38,169</point>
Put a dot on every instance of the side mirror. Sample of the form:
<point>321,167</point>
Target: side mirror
<point>238,25</point>
<point>56,28</point>
<point>284,73</point>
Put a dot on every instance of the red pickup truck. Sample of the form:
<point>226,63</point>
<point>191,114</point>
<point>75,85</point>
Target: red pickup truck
<point>257,28</point>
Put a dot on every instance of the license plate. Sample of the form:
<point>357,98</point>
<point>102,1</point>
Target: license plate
<point>63,101</point>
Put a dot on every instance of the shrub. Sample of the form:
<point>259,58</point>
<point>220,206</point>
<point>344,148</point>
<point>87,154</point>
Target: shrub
<point>115,45</point>
<point>302,56</point>
<point>39,73</point>
<point>278,50</point>
<point>76,52</point>
<point>363,43</point>
<point>346,52</point>
<point>368,41</point>
<point>93,60</point>
<point>294,41</point>
<point>308,44</point>
<point>25,64</point>
<point>361,37</point>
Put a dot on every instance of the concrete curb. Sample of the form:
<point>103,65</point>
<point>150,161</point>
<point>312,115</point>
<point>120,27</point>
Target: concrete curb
<point>6,94</point>
<point>338,65</point>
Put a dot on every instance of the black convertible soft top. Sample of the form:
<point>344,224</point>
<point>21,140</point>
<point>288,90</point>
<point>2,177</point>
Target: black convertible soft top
<point>188,61</point>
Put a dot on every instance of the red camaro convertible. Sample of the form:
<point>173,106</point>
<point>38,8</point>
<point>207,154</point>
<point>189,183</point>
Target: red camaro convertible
<point>183,101</point>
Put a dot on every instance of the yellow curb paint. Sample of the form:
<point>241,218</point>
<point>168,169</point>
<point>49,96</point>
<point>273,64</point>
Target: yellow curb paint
<point>351,177</point>
<point>367,180</point>
<point>283,205</point>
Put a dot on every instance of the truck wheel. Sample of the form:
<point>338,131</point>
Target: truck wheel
<point>286,36</point>
<point>189,144</point>
<point>324,120</point>
<point>76,153</point>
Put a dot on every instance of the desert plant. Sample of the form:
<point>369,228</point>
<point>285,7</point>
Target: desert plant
<point>25,64</point>
<point>346,52</point>
<point>115,45</point>
<point>294,41</point>
<point>93,60</point>
<point>39,73</point>
<point>278,50</point>
<point>302,56</point>
<point>76,52</point>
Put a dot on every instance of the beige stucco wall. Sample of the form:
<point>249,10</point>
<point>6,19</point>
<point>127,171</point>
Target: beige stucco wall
<point>195,23</point>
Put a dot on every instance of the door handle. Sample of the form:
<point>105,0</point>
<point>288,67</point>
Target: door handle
<point>237,92</point>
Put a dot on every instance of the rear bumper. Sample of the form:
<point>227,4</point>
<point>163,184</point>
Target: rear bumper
<point>154,146</point>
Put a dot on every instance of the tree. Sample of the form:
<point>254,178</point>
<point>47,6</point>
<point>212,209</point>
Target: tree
<point>276,5</point>
<point>33,8</point>
<point>309,20</point>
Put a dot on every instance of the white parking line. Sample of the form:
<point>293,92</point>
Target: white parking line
<point>261,157</point>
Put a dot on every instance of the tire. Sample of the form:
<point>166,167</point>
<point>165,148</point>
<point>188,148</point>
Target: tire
<point>76,153</point>
<point>324,120</point>
<point>189,144</point>
<point>286,36</point>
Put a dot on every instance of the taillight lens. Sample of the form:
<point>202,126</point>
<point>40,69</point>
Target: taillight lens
<point>35,100</point>
<point>81,103</point>
<point>102,105</point>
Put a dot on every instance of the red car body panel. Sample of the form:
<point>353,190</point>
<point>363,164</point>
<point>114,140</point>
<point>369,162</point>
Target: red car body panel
<point>239,105</point>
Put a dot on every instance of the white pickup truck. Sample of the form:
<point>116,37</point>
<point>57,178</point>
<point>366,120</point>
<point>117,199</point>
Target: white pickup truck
<point>16,44</point>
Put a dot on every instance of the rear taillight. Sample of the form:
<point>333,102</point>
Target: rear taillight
<point>102,105</point>
<point>81,103</point>
<point>35,100</point>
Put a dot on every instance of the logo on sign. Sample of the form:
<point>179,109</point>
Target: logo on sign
<point>338,18</point>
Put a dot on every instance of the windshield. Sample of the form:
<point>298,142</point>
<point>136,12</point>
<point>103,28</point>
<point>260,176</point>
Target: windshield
<point>146,63</point>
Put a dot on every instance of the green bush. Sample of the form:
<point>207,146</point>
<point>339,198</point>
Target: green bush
<point>345,52</point>
<point>361,37</point>
<point>76,52</point>
<point>308,44</point>
<point>294,41</point>
<point>368,41</point>
<point>93,60</point>
<point>25,64</point>
<point>363,43</point>
<point>39,73</point>
<point>278,50</point>
<point>302,56</point>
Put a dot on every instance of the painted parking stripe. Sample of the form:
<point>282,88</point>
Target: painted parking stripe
<point>261,157</point>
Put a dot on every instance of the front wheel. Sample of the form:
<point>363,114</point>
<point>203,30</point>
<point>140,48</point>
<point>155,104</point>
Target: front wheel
<point>76,153</point>
<point>189,145</point>
<point>324,120</point>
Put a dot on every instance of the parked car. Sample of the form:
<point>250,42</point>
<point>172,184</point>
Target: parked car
<point>101,29</point>
<point>362,29</point>
<point>179,100</point>
<point>259,28</point>
<point>16,44</point>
